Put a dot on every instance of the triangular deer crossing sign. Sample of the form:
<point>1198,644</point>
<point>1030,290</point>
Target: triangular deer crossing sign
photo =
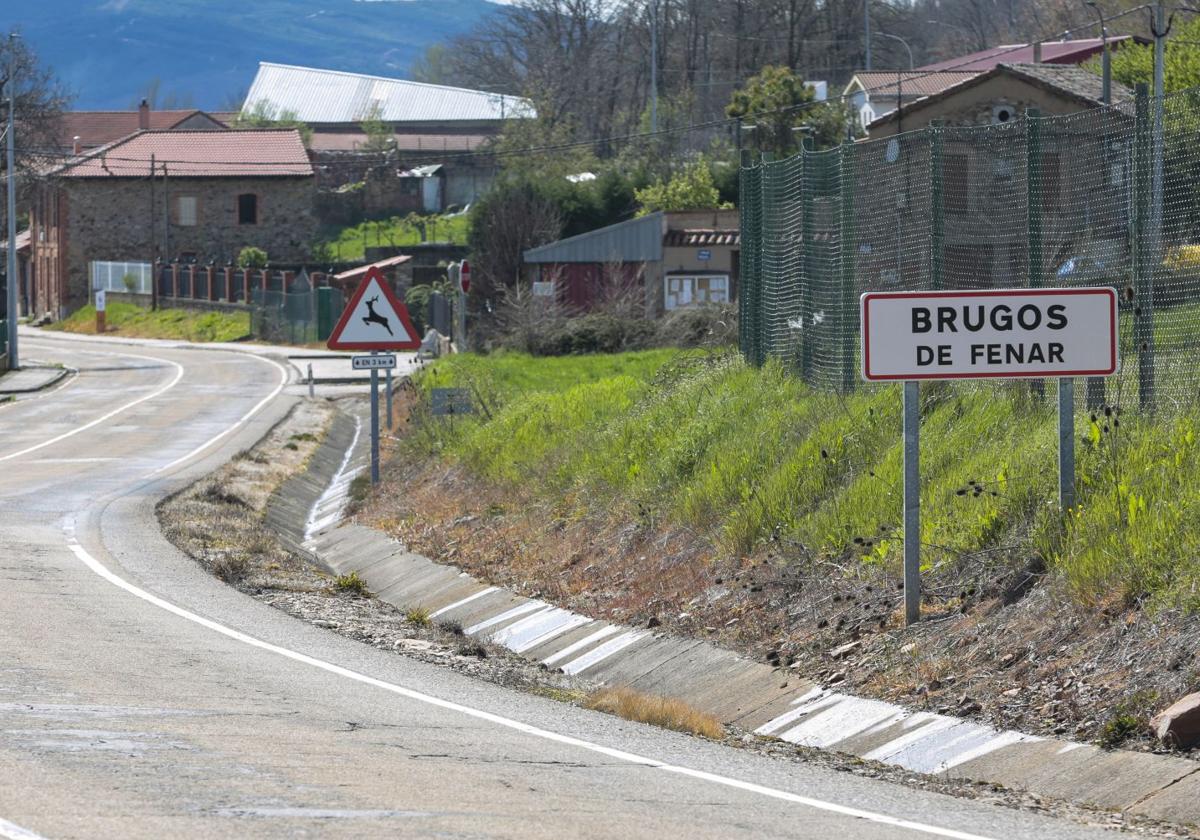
<point>374,319</point>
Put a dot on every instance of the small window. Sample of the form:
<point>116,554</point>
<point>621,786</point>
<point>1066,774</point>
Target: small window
<point>247,209</point>
<point>185,211</point>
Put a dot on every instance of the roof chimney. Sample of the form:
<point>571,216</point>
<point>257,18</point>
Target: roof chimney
<point>144,114</point>
<point>77,145</point>
<point>1037,52</point>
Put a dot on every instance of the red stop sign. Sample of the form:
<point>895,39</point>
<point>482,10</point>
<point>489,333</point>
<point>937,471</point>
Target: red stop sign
<point>464,277</point>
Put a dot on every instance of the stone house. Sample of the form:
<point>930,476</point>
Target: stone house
<point>1082,176</point>
<point>168,195</point>
<point>429,125</point>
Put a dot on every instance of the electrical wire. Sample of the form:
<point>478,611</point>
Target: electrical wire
<point>727,122</point>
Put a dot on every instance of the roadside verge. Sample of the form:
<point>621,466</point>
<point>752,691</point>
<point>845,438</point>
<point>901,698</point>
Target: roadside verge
<point>748,695</point>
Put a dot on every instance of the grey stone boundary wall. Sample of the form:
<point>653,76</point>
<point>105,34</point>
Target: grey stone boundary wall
<point>307,509</point>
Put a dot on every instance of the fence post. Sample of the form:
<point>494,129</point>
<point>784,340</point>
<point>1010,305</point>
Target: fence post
<point>1143,270</point>
<point>847,312</point>
<point>174,280</point>
<point>746,266</point>
<point>806,261</point>
<point>937,230</point>
<point>212,288</point>
<point>1033,213</point>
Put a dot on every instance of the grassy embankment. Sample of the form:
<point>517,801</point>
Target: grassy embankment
<point>127,319</point>
<point>752,457</point>
<point>350,243</point>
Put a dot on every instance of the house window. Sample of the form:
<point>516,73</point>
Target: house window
<point>185,210</point>
<point>687,291</point>
<point>247,209</point>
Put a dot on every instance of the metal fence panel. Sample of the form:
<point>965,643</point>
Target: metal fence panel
<point>1101,197</point>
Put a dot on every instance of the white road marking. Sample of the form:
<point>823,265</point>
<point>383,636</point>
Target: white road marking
<point>174,381</point>
<point>245,417</point>
<point>527,729</point>
<point>17,833</point>
<point>12,831</point>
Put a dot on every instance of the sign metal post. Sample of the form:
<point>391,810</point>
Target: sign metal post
<point>374,425</point>
<point>1002,333</point>
<point>1066,443</point>
<point>912,502</point>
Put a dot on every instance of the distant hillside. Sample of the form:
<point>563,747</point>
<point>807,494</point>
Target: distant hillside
<point>203,52</point>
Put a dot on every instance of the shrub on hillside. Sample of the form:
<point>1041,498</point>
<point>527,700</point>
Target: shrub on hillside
<point>595,332</point>
<point>710,325</point>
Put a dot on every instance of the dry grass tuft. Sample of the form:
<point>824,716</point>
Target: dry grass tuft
<point>659,711</point>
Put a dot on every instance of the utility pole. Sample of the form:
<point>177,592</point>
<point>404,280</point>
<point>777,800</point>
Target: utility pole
<point>867,34</point>
<point>13,359</point>
<point>654,65</point>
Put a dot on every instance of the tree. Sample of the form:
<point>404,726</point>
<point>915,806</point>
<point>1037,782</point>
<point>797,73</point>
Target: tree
<point>381,139</point>
<point>1134,63</point>
<point>40,101</point>
<point>781,105</point>
<point>264,115</point>
<point>690,189</point>
<point>511,218</point>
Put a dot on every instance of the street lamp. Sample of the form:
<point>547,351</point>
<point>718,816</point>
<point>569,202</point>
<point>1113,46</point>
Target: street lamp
<point>902,41</point>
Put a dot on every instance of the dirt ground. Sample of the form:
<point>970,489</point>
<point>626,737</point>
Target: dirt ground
<point>1001,639</point>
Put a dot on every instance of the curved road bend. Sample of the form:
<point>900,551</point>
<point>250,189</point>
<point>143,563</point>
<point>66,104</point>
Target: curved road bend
<point>140,697</point>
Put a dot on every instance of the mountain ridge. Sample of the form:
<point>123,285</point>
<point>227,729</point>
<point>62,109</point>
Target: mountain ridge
<point>204,53</point>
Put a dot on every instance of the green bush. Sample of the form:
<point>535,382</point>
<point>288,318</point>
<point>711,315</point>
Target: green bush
<point>251,257</point>
<point>596,333</point>
<point>710,325</point>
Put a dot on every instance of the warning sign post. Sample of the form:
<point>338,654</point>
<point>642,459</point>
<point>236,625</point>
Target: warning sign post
<point>375,320</point>
<point>985,334</point>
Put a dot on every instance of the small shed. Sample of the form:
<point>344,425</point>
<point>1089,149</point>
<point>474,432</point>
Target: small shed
<point>672,259</point>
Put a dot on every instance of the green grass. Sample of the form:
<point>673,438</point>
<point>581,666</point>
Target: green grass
<point>350,243</point>
<point>749,456</point>
<point>128,319</point>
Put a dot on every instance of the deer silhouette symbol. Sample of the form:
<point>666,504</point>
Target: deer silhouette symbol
<point>374,317</point>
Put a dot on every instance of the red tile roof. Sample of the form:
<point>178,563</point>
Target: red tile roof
<point>196,154</point>
<point>1053,52</point>
<point>912,83</point>
<point>95,128</point>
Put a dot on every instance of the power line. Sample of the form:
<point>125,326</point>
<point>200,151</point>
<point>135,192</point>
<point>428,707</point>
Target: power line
<point>727,122</point>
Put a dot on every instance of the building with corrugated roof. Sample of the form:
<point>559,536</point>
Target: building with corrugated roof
<point>431,124</point>
<point>168,195</point>
<point>676,259</point>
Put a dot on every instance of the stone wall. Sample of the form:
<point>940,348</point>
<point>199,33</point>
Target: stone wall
<point>113,220</point>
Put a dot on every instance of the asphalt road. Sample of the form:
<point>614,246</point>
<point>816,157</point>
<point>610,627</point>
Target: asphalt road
<point>140,697</point>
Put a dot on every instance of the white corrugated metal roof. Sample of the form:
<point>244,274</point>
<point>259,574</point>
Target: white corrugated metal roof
<point>333,96</point>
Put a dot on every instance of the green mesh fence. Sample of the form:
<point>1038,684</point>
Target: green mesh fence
<point>1109,196</point>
